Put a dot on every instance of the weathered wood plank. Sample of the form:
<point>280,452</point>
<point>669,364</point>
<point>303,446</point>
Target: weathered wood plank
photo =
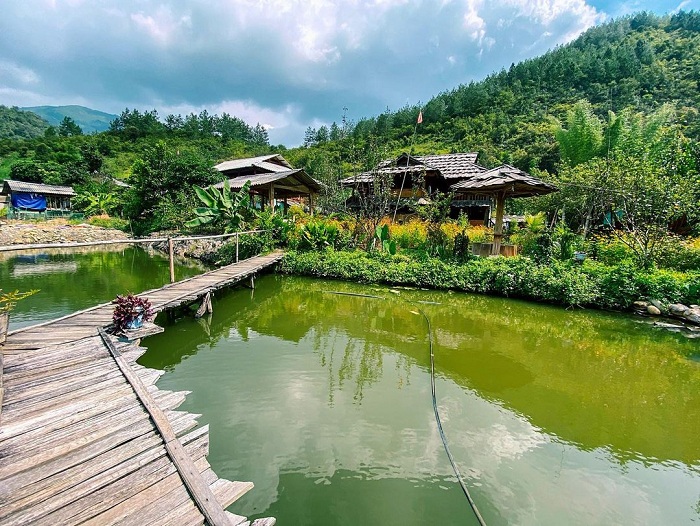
<point>79,488</point>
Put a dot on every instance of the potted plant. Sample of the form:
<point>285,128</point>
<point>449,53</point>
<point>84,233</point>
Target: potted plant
<point>8,300</point>
<point>131,312</point>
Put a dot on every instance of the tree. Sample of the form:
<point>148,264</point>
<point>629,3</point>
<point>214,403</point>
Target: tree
<point>582,138</point>
<point>309,137</point>
<point>69,128</point>
<point>162,185</point>
<point>259,136</point>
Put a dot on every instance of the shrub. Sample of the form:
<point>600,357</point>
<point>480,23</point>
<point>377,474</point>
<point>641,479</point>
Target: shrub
<point>561,282</point>
<point>105,221</point>
<point>249,245</point>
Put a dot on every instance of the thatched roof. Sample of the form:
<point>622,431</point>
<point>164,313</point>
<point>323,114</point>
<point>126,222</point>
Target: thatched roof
<point>513,181</point>
<point>290,179</point>
<point>35,188</point>
<point>446,166</point>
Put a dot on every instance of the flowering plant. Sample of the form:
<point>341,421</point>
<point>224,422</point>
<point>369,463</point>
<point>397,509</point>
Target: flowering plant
<point>130,312</point>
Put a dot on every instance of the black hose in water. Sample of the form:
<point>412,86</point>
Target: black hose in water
<point>457,473</point>
<point>472,504</point>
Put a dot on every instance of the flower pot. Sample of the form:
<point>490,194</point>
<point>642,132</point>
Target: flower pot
<point>136,323</point>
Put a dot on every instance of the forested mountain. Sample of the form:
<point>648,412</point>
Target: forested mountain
<point>640,62</point>
<point>89,120</point>
<point>18,124</point>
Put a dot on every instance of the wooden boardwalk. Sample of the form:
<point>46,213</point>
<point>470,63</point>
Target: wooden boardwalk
<point>87,438</point>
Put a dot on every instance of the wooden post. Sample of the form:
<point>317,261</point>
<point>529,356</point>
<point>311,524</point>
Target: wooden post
<point>171,254</point>
<point>4,324</point>
<point>236,247</point>
<point>205,307</point>
<point>271,197</point>
<point>498,228</point>
<point>311,203</point>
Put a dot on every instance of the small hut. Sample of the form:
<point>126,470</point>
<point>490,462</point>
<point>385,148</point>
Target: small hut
<point>504,181</point>
<point>37,200</point>
<point>415,178</point>
<point>272,179</point>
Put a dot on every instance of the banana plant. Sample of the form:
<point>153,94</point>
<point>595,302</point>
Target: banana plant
<point>221,205</point>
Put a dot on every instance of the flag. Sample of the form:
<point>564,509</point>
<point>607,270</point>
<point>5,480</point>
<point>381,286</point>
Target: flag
<point>420,116</point>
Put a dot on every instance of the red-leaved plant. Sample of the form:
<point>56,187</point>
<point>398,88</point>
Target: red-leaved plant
<point>130,312</point>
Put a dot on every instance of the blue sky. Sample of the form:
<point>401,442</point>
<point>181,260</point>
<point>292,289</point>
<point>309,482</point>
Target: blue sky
<point>286,64</point>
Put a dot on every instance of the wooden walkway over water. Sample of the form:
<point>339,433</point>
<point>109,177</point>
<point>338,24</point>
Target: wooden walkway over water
<point>87,438</point>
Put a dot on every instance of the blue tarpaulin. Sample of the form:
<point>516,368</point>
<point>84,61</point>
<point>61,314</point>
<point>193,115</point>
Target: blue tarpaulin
<point>29,201</point>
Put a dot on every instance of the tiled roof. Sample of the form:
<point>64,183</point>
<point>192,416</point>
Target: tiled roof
<point>35,188</point>
<point>452,165</point>
<point>447,166</point>
<point>261,179</point>
<point>248,162</point>
<point>514,181</point>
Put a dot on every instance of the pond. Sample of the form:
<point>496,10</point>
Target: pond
<point>323,400</point>
<point>70,280</point>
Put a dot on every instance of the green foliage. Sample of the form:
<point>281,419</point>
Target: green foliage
<point>583,136</point>
<point>97,203</point>
<point>461,246</point>
<point>221,207</point>
<point>163,179</point>
<point>68,128</point>
<point>114,223</point>
<point>317,235</point>
<point>565,283</point>
<point>249,245</point>
<point>382,239</point>
<point>278,229</point>
<point>677,255</point>
<point>18,124</point>
<point>8,300</point>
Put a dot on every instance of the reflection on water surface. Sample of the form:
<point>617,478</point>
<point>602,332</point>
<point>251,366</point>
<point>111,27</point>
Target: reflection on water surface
<point>323,400</point>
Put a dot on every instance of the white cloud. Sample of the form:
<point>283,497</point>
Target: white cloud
<point>313,56</point>
<point>13,73</point>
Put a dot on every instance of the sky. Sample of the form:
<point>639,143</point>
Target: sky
<point>285,64</point>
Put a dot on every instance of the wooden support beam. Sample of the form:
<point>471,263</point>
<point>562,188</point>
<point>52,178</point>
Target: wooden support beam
<point>205,307</point>
<point>498,228</point>
<point>171,254</point>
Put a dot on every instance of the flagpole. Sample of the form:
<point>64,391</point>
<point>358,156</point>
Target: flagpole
<point>408,158</point>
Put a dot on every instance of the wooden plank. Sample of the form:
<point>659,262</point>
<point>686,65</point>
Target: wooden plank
<point>52,387</point>
<point>42,423</point>
<point>86,496</point>
<point>79,436</point>
<point>136,496</point>
<point>64,401</point>
<point>138,434</point>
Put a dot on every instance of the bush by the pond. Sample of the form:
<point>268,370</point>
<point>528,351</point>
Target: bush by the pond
<point>560,282</point>
<point>249,245</point>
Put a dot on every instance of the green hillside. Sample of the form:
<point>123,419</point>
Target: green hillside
<point>641,62</point>
<point>18,124</point>
<point>89,120</point>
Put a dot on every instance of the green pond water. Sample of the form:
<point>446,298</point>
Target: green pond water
<point>553,416</point>
<point>323,400</point>
<point>69,281</point>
